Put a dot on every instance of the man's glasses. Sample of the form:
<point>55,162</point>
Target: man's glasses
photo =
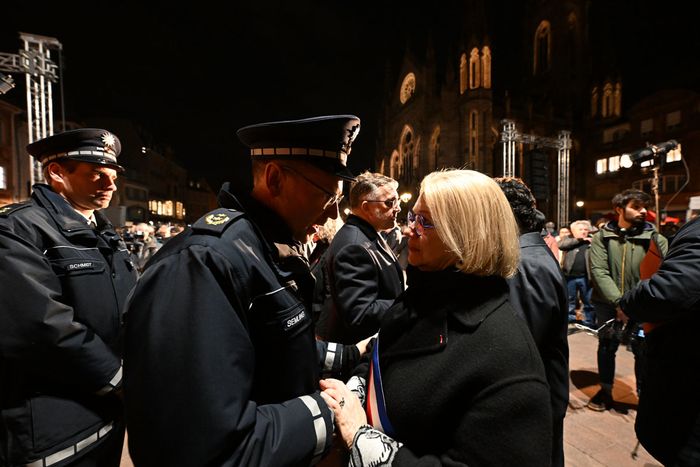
<point>333,198</point>
<point>389,203</point>
<point>417,223</point>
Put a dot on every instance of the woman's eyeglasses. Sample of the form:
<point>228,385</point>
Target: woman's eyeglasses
<point>333,198</point>
<point>417,223</point>
<point>389,203</point>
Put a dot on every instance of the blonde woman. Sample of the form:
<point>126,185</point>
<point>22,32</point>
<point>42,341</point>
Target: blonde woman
<point>455,377</point>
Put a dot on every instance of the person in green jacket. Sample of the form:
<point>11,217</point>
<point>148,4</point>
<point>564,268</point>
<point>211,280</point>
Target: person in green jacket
<point>616,253</point>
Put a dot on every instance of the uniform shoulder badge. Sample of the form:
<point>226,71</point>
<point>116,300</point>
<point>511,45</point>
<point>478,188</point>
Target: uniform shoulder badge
<point>10,208</point>
<point>216,221</point>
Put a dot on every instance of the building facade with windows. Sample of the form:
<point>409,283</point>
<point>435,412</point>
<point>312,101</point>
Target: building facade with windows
<point>548,66</point>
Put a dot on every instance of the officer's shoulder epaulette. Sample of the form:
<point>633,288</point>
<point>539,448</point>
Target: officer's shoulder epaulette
<point>5,211</point>
<point>216,221</point>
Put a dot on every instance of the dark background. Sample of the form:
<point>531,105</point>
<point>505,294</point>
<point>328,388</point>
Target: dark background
<point>192,74</point>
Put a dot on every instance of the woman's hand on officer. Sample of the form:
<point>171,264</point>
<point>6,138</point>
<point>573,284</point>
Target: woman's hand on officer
<point>349,414</point>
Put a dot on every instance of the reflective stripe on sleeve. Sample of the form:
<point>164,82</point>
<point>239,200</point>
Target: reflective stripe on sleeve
<point>319,427</point>
<point>330,356</point>
<point>113,383</point>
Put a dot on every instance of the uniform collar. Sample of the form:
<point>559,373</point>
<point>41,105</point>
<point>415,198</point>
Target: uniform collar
<point>67,218</point>
<point>270,224</point>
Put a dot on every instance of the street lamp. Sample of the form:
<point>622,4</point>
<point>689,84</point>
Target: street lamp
<point>405,197</point>
<point>579,204</point>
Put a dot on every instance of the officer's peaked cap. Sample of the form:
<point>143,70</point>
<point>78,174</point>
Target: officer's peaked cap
<point>91,145</point>
<point>322,141</point>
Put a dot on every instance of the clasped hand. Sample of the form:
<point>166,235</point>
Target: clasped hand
<point>349,414</point>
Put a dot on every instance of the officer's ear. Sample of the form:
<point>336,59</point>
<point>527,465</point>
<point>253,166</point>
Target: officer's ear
<point>54,173</point>
<point>274,178</point>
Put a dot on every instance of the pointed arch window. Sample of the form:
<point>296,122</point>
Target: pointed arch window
<point>474,69</point>
<point>406,152</point>
<point>606,109</point>
<point>617,100</point>
<point>486,67</point>
<point>395,165</point>
<point>463,73</point>
<point>543,48</point>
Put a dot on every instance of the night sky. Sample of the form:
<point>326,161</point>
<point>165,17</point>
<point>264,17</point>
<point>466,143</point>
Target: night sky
<point>191,74</point>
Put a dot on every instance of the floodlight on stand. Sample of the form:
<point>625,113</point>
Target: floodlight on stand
<point>6,83</point>
<point>626,161</point>
<point>648,153</point>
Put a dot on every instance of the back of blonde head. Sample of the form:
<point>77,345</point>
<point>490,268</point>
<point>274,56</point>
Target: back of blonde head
<point>474,220</point>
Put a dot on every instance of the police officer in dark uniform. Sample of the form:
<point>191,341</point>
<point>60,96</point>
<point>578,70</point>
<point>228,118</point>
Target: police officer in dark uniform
<point>64,279</point>
<point>221,363</point>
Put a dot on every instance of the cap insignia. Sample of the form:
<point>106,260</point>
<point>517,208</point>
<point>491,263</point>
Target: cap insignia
<point>109,141</point>
<point>217,219</point>
<point>352,133</point>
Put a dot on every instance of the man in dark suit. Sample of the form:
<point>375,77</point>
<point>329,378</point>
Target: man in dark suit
<point>362,274</point>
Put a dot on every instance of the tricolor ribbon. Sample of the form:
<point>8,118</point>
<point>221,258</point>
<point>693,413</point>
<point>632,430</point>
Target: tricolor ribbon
<point>376,405</point>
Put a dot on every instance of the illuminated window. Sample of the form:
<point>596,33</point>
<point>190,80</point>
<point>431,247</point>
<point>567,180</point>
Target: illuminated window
<point>601,166</point>
<point>153,206</point>
<point>395,165</point>
<point>406,149</point>
<point>617,100</point>
<point>674,155</point>
<point>179,210</point>
<point>613,164</point>
<point>463,73</point>
<point>486,67</point>
<point>474,69</point>
<point>408,87</point>
<point>168,208</point>
<point>607,108</point>
<point>3,178</point>
<point>543,47</point>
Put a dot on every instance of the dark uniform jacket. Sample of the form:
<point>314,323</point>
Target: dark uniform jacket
<point>363,278</point>
<point>62,287</point>
<point>669,403</point>
<point>538,295</point>
<point>221,364</point>
<point>463,380</point>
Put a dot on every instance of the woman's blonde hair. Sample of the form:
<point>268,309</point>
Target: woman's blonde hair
<point>474,220</point>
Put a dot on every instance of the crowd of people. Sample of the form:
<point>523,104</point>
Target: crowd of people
<point>271,333</point>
